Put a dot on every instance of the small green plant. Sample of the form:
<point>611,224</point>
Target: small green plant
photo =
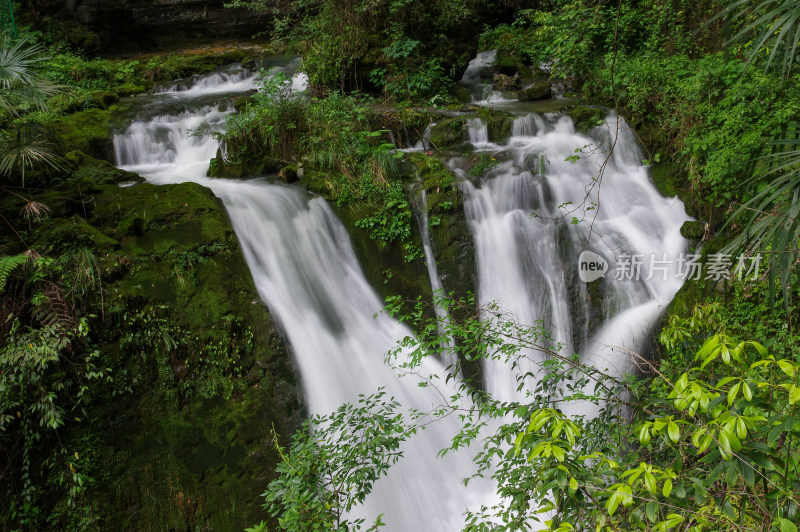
<point>393,221</point>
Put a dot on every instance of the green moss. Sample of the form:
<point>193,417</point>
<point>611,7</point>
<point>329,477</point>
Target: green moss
<point>451,239</point>
<point>693,230</point>
<point>190,446</point>
<point>585,118</point>
<point>87,131</point>
<point>59,234</point>
<point>666,178</point>
<point>241,103</point>
<point>448,132</point>
<point>538,90</point>
<point>104,99</point>
<point>86,170</point>
<point>498,124</point>
<point>130,89</point>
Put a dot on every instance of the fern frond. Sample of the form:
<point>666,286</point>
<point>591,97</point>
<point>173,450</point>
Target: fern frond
<point>7,265</point>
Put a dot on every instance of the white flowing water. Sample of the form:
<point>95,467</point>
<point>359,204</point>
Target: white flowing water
<point>474,76</point>
<point>533,214</point>
<point>420,203</point>
<point>305,270</point>
<point>478,133</point>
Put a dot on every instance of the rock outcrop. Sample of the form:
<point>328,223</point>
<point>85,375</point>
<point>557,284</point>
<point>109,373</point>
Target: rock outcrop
<point>136,24</point>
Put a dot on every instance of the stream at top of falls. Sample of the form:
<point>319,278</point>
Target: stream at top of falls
<point>305,270</point>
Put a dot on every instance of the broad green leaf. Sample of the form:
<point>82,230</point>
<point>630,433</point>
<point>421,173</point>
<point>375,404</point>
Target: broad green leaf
<point>673,431</point>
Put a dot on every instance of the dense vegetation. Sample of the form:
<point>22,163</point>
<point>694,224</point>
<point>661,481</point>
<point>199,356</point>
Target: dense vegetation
<point>706,436</point>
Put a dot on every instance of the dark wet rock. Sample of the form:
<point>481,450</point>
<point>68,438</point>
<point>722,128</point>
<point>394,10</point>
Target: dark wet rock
<point>539,90</point>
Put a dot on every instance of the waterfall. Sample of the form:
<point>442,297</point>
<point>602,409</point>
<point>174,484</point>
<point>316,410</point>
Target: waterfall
<point>425,142</point>
<point>235,79</point>
<point>304,268</point>
<point>520,214</point>
<point>478,133</point>
<point>420,204</point>
<point>527,247</point>
<point>473,78</point>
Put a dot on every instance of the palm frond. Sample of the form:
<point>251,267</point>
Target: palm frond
<point>37,92</point>
<point>34,211</point>
<point>771,218</point>
<point>776,26</point>
<point>19,80</point>
<point>27,147</point>
<point>18,61</point>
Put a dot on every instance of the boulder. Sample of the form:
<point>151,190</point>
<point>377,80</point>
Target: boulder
<point>288,174</point>
<point>502,82</point>
<point>538,90</point>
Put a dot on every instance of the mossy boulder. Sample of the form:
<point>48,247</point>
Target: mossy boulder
<point>87,170</point>
<point>449,132</point>
<point>461,93</point>
<point>240,103</point>
<point>693,230</point>
<point>499,124</point>
<point>538,90</point>
<point>665,177</point>
<point>73,232</point>
<point>87,131</point>
<point>288,174</point>
<point>506,64</point>
<point>104,99</point>
<point>585,118</point>
<point>130,89</point>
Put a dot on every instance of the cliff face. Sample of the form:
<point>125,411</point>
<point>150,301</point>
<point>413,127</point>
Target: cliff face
<point>136,24</point>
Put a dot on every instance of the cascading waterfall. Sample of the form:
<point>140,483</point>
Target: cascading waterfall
<point>420,204</point>
<point>473,78</point>
<point>527,248</point>
<point>304,268</point>
<point>478,133</point>
<point>235,79</point>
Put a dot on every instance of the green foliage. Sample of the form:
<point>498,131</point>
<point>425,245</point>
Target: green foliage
<point>408,49</point>
<point>393,221</point>
<point>776,26</point>
<point>7,265</point>
<point>21,83</point>
<point>48,368</point>
<point>706,442</point>
<point>22,89</point>
<point>333,463</point>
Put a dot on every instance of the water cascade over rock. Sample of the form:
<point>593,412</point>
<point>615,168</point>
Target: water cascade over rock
<point>304,268</point>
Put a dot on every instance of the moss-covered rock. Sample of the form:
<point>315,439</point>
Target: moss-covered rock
<point>288,174</point>
<point>183,436</point>
<point>502,82</point>
<point>498,123</point>
<point>104,99</point>
<point>449,132</point>
<point>87,170</point>
<point>87,131</point>
<point>693,230</point>
<point>665,177</point>
<point>585,118</point>
<point>240,103</point>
